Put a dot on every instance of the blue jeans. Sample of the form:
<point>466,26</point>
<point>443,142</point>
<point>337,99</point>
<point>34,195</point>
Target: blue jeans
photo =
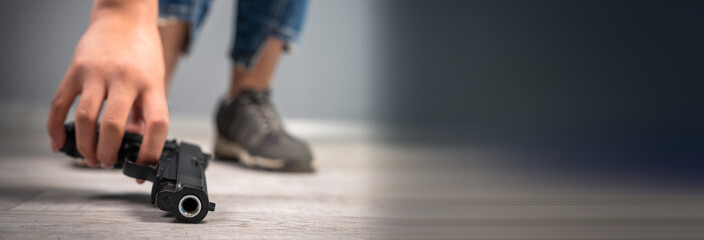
<point>256,21</point>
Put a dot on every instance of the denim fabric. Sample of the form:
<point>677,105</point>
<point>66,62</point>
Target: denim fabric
<point>256,21</point>
<point>191,11</point>
<point>259,19</point>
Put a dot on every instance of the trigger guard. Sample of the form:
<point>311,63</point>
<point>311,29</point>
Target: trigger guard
<point>139,171</point>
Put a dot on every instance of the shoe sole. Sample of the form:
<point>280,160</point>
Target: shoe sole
<point>226,149</point>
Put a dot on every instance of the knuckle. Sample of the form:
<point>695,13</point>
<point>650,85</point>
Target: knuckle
<point>122,65</point>
<point>112,125</point>
<point>159,123</point>
<point>58,102</point>
<point>83,65</point>
<point>84,115</point>
<point>125,68</point>
<point>112,66</point>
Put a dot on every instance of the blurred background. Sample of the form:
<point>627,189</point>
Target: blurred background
<point>546,69</point>
<point>470,102</point>
<point>333,61</point>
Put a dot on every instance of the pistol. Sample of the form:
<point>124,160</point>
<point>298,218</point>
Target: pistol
<point>179,177</point>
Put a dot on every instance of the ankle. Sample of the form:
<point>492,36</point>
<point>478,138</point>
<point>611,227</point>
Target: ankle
<point>236,91</point>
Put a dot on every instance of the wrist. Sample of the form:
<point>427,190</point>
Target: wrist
<point>126,12</point>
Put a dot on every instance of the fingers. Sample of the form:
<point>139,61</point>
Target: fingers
<point>156,117</point>
<point>117,107</point>
<point>87,114</point>
<point>60,104</point>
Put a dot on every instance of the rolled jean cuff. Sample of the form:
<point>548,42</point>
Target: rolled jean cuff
<point>258,20</point>
<point>192,12</point>
<point>247,58</point>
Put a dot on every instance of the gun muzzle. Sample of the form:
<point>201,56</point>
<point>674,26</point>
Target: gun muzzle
<point>189,206</point>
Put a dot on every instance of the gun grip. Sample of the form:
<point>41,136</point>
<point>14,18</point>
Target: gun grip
<point>139,171</point>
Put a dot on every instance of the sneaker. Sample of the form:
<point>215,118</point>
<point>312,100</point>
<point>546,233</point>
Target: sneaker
<point>250,131</point>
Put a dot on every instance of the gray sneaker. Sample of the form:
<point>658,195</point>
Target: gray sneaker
<point>249,130</point>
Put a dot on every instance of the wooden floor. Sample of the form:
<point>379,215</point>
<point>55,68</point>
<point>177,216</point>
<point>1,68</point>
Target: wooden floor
<point>363,189</point>
<point>43,196</point>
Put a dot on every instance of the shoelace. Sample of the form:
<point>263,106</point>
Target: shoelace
<point>266,115</point>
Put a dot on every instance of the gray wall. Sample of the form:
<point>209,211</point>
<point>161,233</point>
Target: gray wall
<point>329,77</point>
<point>560,71</point>
<point>619,72</point>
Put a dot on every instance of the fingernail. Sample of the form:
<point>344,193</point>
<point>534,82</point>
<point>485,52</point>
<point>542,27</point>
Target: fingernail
<point>91,162</point>
<point>105,165</point>
<point>54,146</point>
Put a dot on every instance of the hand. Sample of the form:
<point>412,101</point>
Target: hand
<point>118,61</point>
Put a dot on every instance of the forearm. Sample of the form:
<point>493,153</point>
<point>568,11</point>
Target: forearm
<point>126,12</point>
